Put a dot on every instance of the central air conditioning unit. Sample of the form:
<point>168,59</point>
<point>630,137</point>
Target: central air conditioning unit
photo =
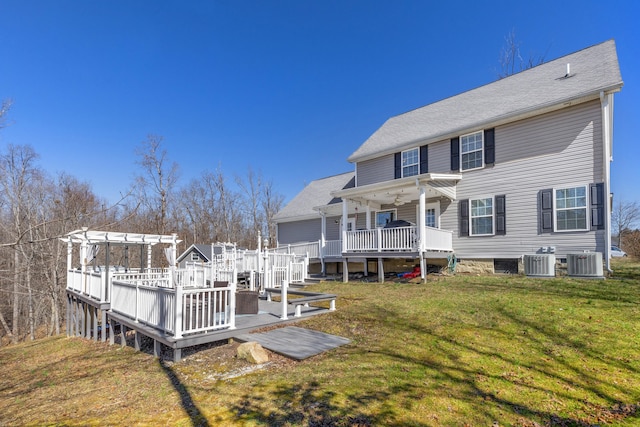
<point>540,265</point>
<point>587,264</point>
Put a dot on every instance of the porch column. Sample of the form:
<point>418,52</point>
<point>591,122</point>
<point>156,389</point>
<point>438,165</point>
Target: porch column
<point>323,240</point>
<point>343,232</point>
<point>368,213</point>
<point>422,231</point>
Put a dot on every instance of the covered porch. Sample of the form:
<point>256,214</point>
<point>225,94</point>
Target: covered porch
<point>416,200</point>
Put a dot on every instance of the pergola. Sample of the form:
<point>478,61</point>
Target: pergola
<point>87,238</point>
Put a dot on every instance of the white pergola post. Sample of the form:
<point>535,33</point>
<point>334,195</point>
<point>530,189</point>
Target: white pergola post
<point>149,249</point>
<point>323,240</point>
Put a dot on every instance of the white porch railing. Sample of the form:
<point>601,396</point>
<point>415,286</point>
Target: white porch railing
<point>400,239</point>
<point>438,240</point>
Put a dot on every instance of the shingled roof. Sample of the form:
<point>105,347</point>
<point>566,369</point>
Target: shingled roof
<point>317,193</point>
<point>532,91</point>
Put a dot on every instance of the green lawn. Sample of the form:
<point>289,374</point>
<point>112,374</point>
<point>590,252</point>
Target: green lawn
<point>461,350</point>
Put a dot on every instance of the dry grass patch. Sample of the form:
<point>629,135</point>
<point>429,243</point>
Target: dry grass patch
<point>456,351</point>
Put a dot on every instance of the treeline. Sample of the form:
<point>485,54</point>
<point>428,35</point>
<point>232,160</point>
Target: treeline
<point>36,209</point>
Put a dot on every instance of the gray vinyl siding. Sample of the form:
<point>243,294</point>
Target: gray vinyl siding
<point>556,150</point>
<point>299,231</point>
<point>376,170</point>
<point>440,157</point>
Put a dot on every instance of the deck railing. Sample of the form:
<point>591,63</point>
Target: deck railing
<point>438,240</point>
<point>200,310</point>
<point>400,239</point>
<point>332,248</point>
<point>88,283</point>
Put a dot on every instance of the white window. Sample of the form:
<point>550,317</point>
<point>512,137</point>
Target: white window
<point>195,256</point>
<point>431,214</point>
<point>471,150</point>
<point>384,217</point>
<point>481,214</point>
<point>570,208</point>
<point>351,224</point>
<point>411,162</point>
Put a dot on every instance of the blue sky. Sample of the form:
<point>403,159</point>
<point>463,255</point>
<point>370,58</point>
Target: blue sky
<point>287,88</point>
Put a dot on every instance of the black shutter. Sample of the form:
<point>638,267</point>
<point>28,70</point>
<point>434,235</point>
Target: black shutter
<point>489,146</point>
<point>501,215</point>
<point>398,166</point>
<point>546,211</point>
<point>455,154</point>
<point>424,159</point>
<point>463,215</point>
<point>597,206</point>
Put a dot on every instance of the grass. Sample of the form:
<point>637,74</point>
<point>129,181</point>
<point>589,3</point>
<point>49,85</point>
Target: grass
<point>458,351</point>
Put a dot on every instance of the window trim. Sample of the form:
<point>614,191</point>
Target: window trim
<point>196,258</point>
<point>493,216</point>
<point>430,205</point>
<point>394,216</point>
<point>586,206</point>
<point>416,164</point>
<point>481,149</point>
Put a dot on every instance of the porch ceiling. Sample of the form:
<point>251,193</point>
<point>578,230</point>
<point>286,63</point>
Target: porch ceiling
<point>401,191</point>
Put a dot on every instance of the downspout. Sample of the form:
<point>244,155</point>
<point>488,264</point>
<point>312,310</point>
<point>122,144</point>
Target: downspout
<point>606,101</point>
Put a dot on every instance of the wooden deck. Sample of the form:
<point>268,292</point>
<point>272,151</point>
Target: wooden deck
<point>269,314</point>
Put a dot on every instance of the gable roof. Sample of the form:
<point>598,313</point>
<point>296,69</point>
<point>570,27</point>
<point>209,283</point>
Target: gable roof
<point>533,91</point>
<point>203,250</point>
<point>316,194</point>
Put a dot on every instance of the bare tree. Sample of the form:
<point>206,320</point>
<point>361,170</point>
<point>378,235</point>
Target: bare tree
<point>271,204</point>
<point>624,217</point>
<point>157,181</point>
<point>511,59</point>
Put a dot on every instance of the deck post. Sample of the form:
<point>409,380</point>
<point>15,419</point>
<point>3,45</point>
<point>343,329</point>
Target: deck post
<point>68,317</point>
<point>104,325</point>
<point>157,348</point>
<point>178,324</point>
<point>112,330</point>
<point>380,270</point>
<point>232,300</point>
<point>137,338</point>
<point>94,315</point>
<point>123,335</point>
<point>284,287</point>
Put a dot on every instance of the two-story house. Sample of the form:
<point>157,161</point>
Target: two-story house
<point>518,166</point>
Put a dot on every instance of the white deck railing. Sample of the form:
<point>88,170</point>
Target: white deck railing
<point>88,283</point>
<point>332,248</point>
<point>200,310</point>
<point>400,239</point>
